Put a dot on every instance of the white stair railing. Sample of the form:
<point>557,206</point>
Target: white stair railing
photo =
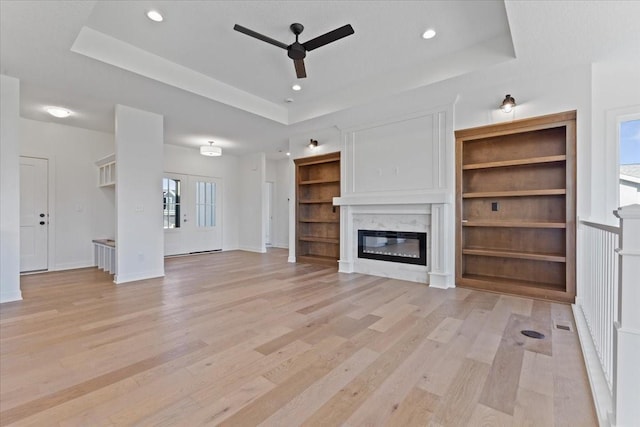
<point>598,288</point>
<point>607,313</point>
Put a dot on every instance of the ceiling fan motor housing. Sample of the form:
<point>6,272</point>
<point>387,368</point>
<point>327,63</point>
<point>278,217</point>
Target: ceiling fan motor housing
<point>296,51</point>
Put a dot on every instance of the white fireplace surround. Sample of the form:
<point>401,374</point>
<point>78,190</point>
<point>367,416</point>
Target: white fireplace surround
<point>420,213</point>
<point>409,187</point>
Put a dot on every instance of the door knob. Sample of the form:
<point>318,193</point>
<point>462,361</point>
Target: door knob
<point>41,222</point>
<point>41,215</point>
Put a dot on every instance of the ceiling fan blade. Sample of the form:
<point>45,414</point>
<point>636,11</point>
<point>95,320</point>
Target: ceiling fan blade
<point>301,72</point>
<point>329,37</point>
<point>259,36</point>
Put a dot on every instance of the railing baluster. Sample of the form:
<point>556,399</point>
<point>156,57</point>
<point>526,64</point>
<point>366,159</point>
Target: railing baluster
<point>599,263</point>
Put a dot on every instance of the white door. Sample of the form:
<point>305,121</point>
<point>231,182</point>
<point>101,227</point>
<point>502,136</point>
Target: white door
<point>269,213</point>
<point>192,213</point>
<point>34,217</point>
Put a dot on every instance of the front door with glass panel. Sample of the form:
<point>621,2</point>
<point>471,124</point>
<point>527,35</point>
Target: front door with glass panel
<point>192,207</point>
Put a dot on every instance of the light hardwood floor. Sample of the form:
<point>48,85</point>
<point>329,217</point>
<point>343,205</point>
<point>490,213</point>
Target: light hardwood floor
<point>242,339</point>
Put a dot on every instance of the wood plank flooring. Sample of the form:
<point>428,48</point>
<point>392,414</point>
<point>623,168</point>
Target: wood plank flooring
<point>244,339</point>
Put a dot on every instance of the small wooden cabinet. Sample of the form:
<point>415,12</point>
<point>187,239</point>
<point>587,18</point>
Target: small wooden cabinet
<point>516,207</point>
<point>317,220</point>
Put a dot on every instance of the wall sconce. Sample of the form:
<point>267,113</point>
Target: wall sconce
<point>313,143</point>
<point>508,104</point>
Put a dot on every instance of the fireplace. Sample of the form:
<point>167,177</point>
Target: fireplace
<point>393,246</point>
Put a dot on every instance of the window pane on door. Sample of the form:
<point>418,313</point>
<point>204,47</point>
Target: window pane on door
<point>205,204</point>
<point>171,202</point>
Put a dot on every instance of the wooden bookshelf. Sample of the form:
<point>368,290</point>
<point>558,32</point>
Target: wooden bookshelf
<point>317,220</point>
<point>515,207</point>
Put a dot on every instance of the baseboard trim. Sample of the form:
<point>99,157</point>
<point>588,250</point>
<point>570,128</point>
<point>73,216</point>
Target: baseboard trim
<point>441,280</point>
<point>345,266</point>
<point>10,296</point>
<point>120,279</point>
<point>73,265</point>
<point>252,249</point>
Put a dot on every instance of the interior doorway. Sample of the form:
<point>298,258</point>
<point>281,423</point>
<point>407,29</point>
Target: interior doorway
<point>34,214</point>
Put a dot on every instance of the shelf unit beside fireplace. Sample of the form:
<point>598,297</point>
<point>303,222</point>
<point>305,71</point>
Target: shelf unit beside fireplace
<point>515,207</point>
<point>317,220</point>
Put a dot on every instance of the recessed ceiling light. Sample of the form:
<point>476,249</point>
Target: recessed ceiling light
<point>155,16</point>
<point>429,34</point>
<point>58,112</point>
<point>288,153</point>
<point>296,87</point>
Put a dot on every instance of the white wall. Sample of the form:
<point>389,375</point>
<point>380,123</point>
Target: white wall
<point>182,160</point>
<point>252,169</point>
<point>277,172</point>
<point>139,163</point>
<point>79,210</point>
<point>9,190</point>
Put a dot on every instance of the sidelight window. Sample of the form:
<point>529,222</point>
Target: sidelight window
<point>171,202</point>
<point>205,204</point>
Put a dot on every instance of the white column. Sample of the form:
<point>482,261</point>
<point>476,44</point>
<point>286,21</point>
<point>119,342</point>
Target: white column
<point>627,369</point>
<point>441,272</point>
<point>347,244</point>
<point>139,165</point>
<point>9,189</point>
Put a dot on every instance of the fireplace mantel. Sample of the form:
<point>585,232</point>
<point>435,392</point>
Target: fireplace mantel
<point>395,198</point>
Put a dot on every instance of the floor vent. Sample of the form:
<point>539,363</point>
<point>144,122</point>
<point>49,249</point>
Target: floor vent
<point>563,327</point>
<point>532,334</point>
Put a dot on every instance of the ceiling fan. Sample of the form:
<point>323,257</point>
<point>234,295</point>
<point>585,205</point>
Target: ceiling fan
<point>298,51</point>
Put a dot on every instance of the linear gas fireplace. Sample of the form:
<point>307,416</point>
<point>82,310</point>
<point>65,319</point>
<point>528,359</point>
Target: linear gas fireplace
<point>393,246</point>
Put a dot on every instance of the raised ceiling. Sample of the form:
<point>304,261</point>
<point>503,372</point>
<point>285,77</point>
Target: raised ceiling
<point>211,82</point>
<point>88,56</point>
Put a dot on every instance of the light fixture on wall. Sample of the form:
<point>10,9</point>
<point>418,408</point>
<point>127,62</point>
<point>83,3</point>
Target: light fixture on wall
<point>313,143</point>
<point>210,150</point>
<point>508,104</point>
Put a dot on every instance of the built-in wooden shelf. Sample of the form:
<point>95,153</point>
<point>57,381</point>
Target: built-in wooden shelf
<point>515,193</point>
<point>509,286</point>
<point>318,239</point>
<point>516,207</point>
<point>320,220</point>
<point>318,259</point>
<point>317,220</point>
<point>514,224</point>
<point>318,181</point>
<point>512,254</point>
<point>515,162</point>
<point>313,201</point>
